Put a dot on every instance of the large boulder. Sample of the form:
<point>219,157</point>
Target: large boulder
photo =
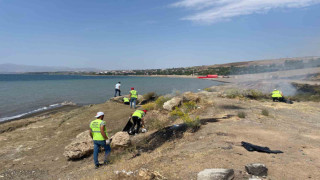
<point>80,147</point>
<point>118,99</point>
<point>190,96</point>
<point>120,140</point>
<point>257,169</point>
<point>172,103</point>
<point>216,174</point>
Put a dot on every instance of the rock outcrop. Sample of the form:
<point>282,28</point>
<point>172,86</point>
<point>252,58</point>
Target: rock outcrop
<point>120,140</point>
<point>172,103</point>
<point>257,169</point>
<point>141,174</point>
<point>216,174</point>
<point>80,147</point>
<point>118,99</point>
<point>190,96</point>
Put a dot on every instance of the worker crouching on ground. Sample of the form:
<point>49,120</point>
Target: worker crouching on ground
<point>277,96</point>
<point>133,98</point>
<point>126,101</point>
<point>98,133</point>
<point>138,121</point>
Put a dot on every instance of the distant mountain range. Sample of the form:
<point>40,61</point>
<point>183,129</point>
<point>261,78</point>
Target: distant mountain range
<point>15,68</point>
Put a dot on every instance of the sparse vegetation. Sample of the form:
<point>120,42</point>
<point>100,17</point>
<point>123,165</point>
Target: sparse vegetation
<point>249,93</point>
<point>255,94</point>
<point>160,101</point>
<point>189,106</point>
<point>208,89</point>
<point>193,123</point>
<point>265,112</point>
<point>234,93</point>
<point>177,113</point>
<point>306,92</point>
<point>242,114</point>
<point>149,106</point>
<point>155,123</point>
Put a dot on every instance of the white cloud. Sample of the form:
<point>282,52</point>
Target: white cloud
<point>211,11</point>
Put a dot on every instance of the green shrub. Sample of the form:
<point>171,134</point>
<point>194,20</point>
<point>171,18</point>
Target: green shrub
<point>241,114</point>
<point>191,122</point>
<point>209,89</point>
<point>265,112</point>
<point>149,106</point>
<point>150,96</point>
<point>160,101</point>
<point>189,106</point>
<point>177,112</point>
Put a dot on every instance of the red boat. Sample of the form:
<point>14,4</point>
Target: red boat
<point>208,76</point>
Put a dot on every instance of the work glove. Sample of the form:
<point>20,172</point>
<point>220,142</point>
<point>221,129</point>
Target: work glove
<point>108,141</point>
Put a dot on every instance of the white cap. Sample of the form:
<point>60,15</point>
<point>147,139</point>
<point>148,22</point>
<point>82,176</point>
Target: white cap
<point>99,114</point>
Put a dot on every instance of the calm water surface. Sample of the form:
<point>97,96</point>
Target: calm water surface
<point>21,94</point>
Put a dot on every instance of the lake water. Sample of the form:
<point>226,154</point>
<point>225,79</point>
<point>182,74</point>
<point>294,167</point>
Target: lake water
<point>24,94</point>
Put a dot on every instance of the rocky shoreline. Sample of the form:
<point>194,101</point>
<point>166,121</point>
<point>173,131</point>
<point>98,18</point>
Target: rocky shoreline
<point>215,124</point>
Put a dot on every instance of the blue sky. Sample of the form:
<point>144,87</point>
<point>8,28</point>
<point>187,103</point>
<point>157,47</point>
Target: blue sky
<point>139,34</point>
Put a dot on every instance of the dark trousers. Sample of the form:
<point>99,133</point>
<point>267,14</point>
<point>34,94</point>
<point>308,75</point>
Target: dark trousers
<point>96,147</point>
<point>136,122</point>
<point>115,93</point>
<point>279,99</point>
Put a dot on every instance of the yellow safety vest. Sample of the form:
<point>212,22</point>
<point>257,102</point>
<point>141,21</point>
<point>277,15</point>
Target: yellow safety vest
<point>134,94</point>
<point>276,94</point>
<point>138,113</point>
<point>125,99</point>
<point>95,127</point>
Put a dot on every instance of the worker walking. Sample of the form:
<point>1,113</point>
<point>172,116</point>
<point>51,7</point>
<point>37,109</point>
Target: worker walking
<point>133,98</point>
<point>138,121</point>
<point>117,89</point>
<point>98,133</point>
<point>277,96</point>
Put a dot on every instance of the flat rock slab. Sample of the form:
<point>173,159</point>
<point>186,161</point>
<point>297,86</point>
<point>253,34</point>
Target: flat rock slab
<point>257,169</point>
<point>216,174</point>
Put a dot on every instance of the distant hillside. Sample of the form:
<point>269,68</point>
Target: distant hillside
<point>266,62</point>
<point>247,67</point>
<point>14,68</point>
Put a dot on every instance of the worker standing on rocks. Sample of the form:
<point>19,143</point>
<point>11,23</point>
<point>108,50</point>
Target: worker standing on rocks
<point>98,133</point>
<point>117,89</point>
<point>277,96</point>
<point>133,98</point>
<point>137,118</point>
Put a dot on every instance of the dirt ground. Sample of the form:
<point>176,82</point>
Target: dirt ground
<point>34,149</point>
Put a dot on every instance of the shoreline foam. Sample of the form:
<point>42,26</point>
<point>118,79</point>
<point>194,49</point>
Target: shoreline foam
<point>40,111</point>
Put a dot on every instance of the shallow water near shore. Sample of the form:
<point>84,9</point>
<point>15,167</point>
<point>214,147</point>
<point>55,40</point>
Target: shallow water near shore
<point>25,94</point>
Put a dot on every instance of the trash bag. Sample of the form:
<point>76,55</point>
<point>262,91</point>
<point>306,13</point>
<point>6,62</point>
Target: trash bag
<point>252,147</point>
<point>128,126</point>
